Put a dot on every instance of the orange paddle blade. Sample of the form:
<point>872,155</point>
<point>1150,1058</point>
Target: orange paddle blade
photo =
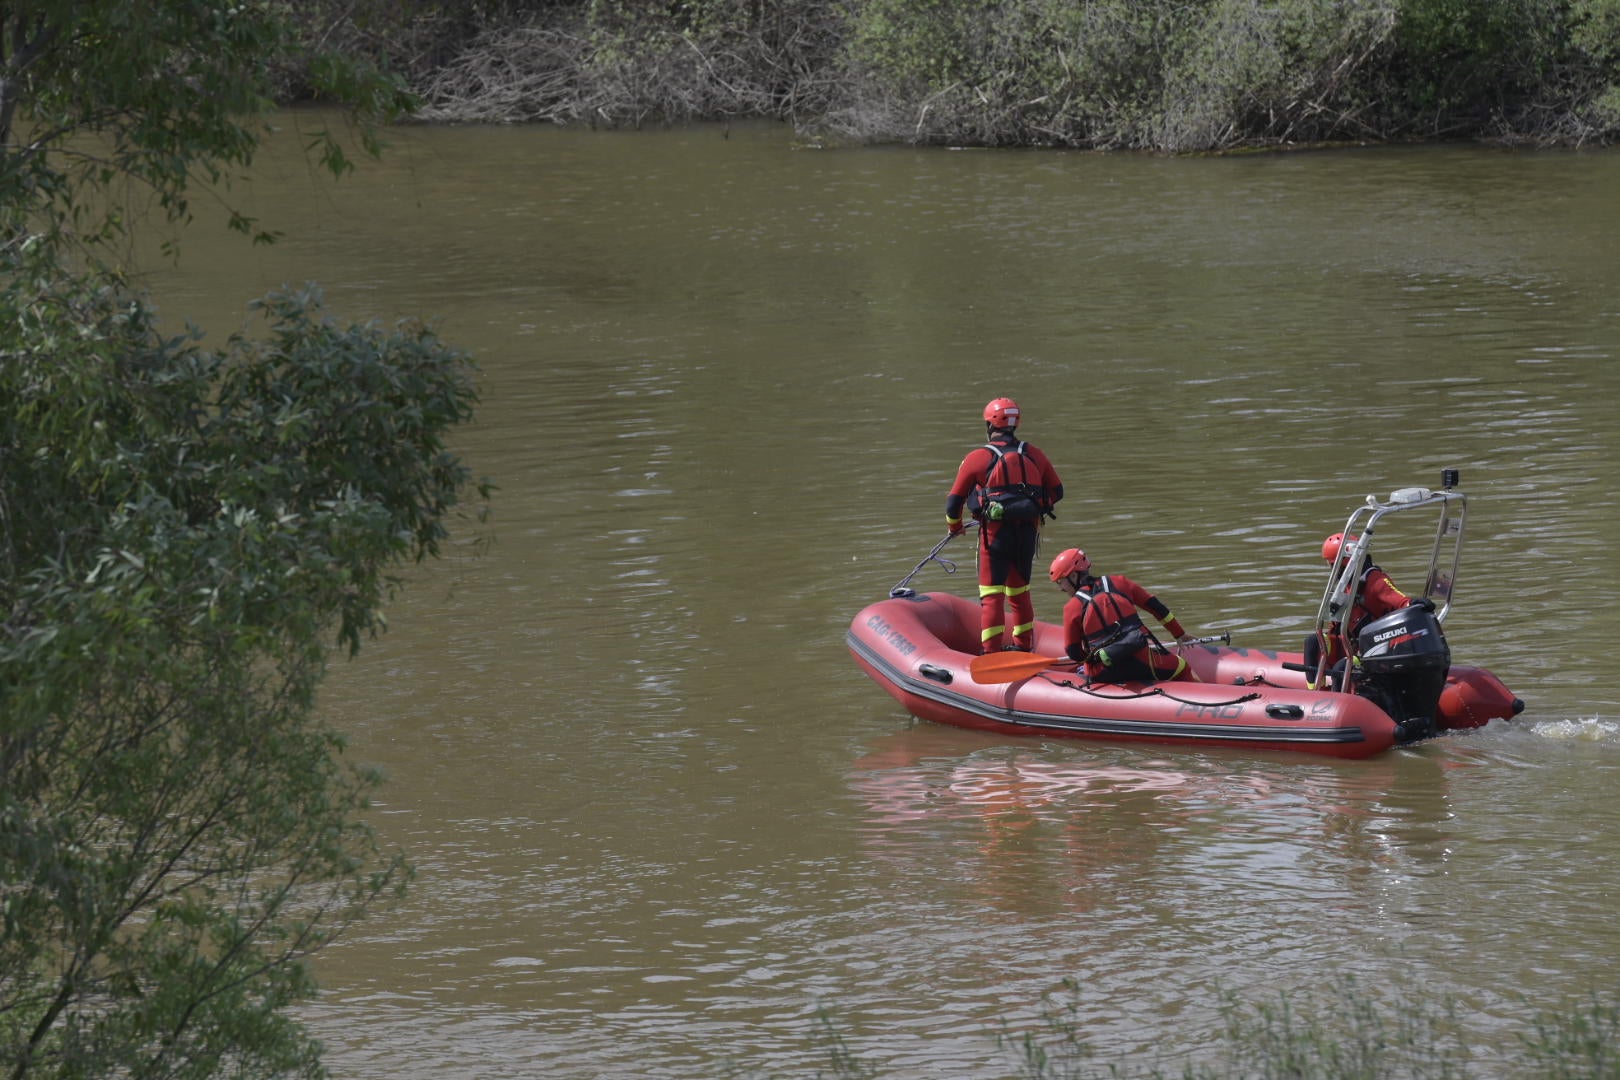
<point>1010,666</point>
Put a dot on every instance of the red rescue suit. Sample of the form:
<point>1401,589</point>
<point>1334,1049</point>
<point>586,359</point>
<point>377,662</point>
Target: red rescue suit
<point>1103,630</point>
<point>1012,474</point>
<point>1378,597</point>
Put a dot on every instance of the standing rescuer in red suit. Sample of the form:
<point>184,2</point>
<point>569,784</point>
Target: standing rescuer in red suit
<point>1102,626</point>
<point>1008,486</point>
<point>1378,598</point>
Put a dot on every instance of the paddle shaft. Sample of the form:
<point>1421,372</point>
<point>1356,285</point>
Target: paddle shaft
<point>1007,667</point>
<point>1208,639</point>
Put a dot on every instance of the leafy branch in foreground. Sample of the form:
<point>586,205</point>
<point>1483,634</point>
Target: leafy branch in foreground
<point>99,95</point>
<point>180,531</point>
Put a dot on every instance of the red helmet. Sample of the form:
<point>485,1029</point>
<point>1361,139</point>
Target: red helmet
<point>1331,546</point>
<point>1002,413</point>
<point>1072,561</point>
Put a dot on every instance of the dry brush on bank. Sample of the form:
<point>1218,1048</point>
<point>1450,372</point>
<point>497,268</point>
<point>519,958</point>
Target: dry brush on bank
<point>1168,75</point>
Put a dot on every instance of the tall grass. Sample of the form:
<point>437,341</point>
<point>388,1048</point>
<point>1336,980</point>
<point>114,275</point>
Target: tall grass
<point>1344,1031</point>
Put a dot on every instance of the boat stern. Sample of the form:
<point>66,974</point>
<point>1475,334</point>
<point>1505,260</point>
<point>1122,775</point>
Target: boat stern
<point>1473,697</point>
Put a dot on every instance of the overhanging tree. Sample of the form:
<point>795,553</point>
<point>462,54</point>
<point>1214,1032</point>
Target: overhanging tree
<point>183,534</point>
<point>101,100</point>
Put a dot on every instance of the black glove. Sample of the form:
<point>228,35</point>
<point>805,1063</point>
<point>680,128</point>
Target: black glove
<point>1425,603</point>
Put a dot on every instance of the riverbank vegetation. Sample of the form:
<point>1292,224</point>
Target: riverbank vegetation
<point>1339,1030</point>
<point>185,534</point>
<point>1166,75</point>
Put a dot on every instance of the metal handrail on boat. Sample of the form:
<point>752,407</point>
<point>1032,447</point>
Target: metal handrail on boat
<point>1344,575</point>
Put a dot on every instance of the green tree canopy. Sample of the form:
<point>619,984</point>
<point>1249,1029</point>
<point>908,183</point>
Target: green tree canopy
<point>184,535</point>
<point>180,532</point>
<point>96,95</point>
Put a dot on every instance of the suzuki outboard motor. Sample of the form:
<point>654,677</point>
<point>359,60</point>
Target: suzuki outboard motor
<point>1404,661</point>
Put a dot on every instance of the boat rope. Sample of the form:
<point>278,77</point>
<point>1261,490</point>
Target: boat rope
<point>1156,691</point>
<point>904,588</point>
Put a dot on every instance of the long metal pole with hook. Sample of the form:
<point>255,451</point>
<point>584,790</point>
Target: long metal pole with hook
<point>904,589</point>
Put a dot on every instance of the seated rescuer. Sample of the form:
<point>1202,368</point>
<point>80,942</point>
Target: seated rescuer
<point>1008,486</point>
<point>1378,597</point>
<point>1102,628</point>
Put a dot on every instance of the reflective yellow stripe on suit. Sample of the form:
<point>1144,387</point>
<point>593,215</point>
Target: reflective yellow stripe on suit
<point>992,631</point>
<point>1022,628</point>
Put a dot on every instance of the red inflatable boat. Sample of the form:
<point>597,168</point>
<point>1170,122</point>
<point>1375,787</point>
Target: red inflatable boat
<point>922,649</point>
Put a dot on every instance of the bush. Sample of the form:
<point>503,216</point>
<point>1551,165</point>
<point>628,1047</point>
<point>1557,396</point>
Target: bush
<point>1172,75</point>
<point>181,534</point>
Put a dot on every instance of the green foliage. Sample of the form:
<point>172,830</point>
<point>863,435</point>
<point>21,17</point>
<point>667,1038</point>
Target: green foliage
<point>182,533</point>
<point>628,19</point>
<point>924,43</point>
<point>1606,109</point>
<point>1172,75</point>
<point>179,532</point>
<point>1211,74</point>
<point>1580,1043</point>
<point>98,94</point>
<point>1340,1030</point>
<point>1394,1033</point>
<point>1466,56</point>
<point>1596,28</point>
<point>664,37</point>
<point>845,1063</point>
<point>1058,1049</point>
<point>1287,72</point>
<point>1595,43</point>
<point>1164,74</point>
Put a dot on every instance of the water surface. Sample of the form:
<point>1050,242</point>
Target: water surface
<point>660,817</point>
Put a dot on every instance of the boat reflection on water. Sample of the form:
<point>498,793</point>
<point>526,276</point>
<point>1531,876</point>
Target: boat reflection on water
<point>1051,826</point>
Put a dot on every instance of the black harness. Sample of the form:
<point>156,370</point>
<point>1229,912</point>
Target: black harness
<point>1124,630</point>
<point>1020,500</point>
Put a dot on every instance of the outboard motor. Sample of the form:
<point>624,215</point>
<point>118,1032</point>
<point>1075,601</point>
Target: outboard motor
<point>1404,661</point>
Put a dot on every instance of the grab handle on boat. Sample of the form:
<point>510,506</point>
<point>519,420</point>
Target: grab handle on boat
<point>1330,677</point>
<point>1332,674</point>
<point>938,674</point>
